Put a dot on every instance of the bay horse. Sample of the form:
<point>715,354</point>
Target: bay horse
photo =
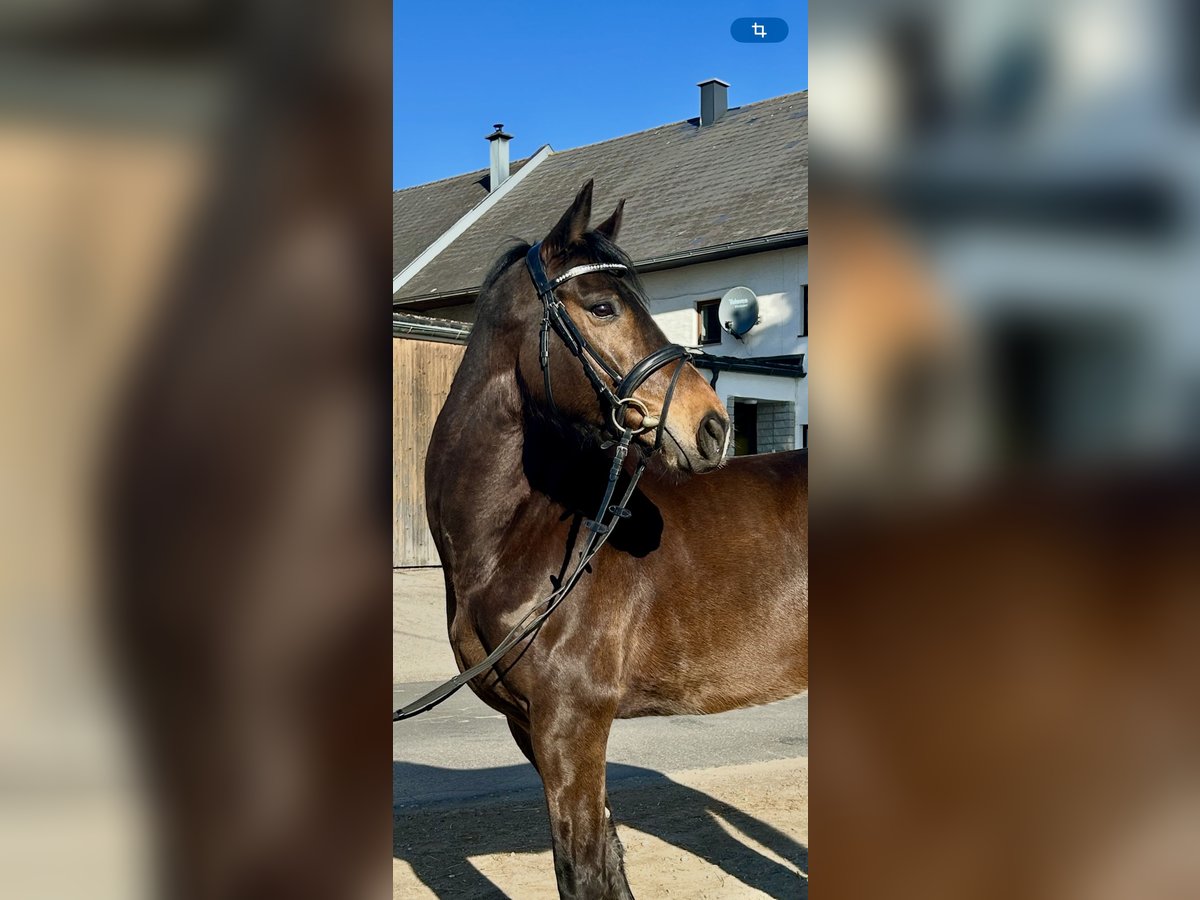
<point>697,604</point>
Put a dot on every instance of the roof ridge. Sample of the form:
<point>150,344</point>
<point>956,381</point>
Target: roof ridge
<point>619,137</point>
<point>675,124</point>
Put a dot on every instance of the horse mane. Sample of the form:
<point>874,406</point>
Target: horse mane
<point>516,251</point>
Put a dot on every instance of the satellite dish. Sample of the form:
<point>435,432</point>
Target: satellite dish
<point>738,311</point>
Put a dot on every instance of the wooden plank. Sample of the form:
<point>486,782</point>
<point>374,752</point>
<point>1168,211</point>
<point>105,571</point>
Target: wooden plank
<point>422,372</point>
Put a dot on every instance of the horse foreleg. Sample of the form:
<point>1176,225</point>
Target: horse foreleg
<point>520,734</point>
<point>570,755</point>
<point>616,850</point>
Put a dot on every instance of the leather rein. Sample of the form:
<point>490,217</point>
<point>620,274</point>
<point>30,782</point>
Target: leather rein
<point>617,399</point>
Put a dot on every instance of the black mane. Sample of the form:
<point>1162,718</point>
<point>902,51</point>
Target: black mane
<point>514,253</point>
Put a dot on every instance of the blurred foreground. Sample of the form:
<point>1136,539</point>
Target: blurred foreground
<point>195,385</point>
<point>1006,401</point>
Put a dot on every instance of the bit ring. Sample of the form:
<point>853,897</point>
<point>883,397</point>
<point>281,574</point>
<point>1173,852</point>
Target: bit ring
<point>648,421</point>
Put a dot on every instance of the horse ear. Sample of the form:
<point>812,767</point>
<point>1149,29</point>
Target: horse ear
<point>572,225</point>
<point>610,226</point>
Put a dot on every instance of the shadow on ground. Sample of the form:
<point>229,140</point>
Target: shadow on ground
<point>438,841</point>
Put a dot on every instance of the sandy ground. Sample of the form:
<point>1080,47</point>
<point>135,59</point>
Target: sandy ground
<point>739,830</point>
<point>692,838</point>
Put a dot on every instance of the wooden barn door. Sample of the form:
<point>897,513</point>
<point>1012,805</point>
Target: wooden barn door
<point>421,376</point>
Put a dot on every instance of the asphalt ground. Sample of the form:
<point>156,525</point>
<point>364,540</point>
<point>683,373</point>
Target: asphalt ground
<point>462,751</point>
<point>468,746</point>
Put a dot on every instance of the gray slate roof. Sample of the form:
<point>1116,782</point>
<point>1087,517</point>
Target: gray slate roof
<point>687,188</point>
<point>422,213</point>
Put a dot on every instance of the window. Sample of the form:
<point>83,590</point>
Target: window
<point>709,321</point>
<point>804,314</point>
<point>763,426</point>
<point>745,428</point>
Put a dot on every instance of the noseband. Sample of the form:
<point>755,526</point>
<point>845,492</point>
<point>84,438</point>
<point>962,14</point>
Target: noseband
<point>620,397</point>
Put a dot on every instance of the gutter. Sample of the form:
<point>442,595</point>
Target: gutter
<point>652,264</point>
<point>451,234</point>
<point>778,367</point>
<point>435,300</point>
<point>723,251</point>
<point>424,328</point>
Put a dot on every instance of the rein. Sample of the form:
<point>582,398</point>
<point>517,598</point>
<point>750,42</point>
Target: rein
<point>555,317</point>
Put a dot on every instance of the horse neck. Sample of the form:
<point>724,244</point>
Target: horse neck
<point>479,429</point>
<point>496,464</point>
<point>474,478</point>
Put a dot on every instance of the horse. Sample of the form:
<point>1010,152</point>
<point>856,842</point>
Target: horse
<point>666,619</point>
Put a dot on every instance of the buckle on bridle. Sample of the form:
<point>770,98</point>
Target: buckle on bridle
<point>648,421</point>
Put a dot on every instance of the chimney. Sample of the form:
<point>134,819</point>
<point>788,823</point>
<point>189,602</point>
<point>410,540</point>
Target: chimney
<point>499,154</point>
<point>714,100</point>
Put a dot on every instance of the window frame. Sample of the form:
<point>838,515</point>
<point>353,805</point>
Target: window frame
<point>701,307</point>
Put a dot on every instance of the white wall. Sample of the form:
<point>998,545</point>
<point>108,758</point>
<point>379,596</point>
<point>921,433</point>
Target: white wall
<point>778,278</point>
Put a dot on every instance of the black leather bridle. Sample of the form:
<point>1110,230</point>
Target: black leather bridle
<point>617,398</point>
<point>620,396</point>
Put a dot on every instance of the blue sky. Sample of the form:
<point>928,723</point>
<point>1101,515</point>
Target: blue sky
<point>568,73</point>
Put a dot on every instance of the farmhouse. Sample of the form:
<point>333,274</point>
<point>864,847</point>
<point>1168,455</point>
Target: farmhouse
<point>714,202</point>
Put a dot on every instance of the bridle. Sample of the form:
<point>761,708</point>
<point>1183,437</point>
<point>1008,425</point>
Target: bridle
<point>620,397</point>
<point>617,399</point>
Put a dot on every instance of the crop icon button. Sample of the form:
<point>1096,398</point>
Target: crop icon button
<point>759,30</point>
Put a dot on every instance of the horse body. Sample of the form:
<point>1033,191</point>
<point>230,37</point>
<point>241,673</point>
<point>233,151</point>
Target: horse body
<point>667,620</point>
<point>724,605</point>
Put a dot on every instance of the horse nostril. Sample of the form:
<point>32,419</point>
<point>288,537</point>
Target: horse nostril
<point>711,438</point>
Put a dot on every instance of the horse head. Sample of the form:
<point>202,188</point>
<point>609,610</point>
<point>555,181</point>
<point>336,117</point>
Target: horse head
<point>593,358</point>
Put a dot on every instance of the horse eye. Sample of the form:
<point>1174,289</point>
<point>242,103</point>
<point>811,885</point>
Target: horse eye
<point>603,311</point>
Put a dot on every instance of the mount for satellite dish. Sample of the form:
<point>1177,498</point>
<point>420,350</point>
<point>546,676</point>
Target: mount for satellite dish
<point>738,311</point>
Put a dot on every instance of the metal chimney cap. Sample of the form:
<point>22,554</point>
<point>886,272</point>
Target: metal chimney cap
<point>712,81</point>
<point>499,133</point>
